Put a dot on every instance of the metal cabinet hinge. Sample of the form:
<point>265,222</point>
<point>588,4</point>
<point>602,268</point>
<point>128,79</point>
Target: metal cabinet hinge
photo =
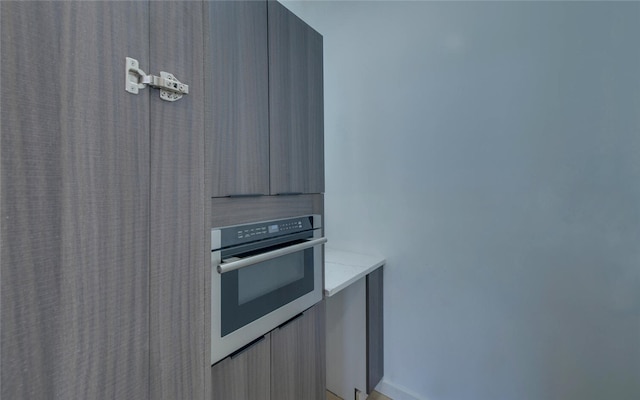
<point>171,89</point>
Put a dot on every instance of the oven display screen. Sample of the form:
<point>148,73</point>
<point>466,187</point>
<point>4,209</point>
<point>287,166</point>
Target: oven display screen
<point>273,228</point>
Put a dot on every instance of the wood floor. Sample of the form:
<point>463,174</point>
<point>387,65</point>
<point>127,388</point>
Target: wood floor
<point>377,396</point>
<point>373,396</point>
<point>331,396</point>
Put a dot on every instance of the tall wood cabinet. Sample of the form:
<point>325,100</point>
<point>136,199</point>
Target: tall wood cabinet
<point>75,202</point>
<point>102,203</point>
<point>177,199</point>
<point>265,132</point>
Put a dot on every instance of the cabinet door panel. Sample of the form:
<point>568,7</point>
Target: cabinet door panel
<point>296,104</point>
<point>298,357</point>
<point>177,335</point>
<point>237,101</point>
<point>74,202</point>
<point>245,376</point>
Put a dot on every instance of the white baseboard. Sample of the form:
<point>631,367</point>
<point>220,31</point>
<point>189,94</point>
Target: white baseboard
<point>396,392</point>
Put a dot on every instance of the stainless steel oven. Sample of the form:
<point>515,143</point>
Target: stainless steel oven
<point>263,274</point>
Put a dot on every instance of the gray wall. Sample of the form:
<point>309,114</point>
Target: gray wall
<point>491,151</point>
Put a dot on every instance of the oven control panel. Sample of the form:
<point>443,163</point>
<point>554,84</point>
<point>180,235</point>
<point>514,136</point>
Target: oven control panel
<point>241,234</point>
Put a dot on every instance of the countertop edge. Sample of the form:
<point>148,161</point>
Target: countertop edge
<point>362,271</point>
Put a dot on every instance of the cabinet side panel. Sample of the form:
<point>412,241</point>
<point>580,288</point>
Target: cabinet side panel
<point>74,202</point>
<point>237,98</point>
<point>375,329</point>
<point>178,366</point>
<point>315,112</point>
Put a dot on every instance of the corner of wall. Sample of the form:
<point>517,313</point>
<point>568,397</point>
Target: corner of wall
<point>396,392</point>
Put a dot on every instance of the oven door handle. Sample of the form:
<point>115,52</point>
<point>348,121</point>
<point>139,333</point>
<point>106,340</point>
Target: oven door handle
<point>245,262</point>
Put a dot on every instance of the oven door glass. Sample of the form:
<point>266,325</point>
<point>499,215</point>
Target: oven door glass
<point>254,291</point>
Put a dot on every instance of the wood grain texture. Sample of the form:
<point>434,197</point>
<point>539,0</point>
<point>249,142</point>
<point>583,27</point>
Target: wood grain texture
<point>237,97</point>
<point>298,357</point>
<point>177,361</point>
<point>74,202</point>
<point>296,104</point>
<point>245,376</point>
<point>232,211</point>
<point>375,329</point>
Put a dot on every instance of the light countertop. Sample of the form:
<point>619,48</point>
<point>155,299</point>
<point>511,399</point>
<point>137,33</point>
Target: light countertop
<point>342,268</point>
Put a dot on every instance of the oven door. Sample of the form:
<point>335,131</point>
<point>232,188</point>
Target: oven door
<point>257,287</point>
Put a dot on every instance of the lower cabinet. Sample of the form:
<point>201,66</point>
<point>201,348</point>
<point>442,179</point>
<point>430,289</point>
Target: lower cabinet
<point>287,363</point>
<point>355,342</point>
<point>298,357</point>
<point>245,374</point>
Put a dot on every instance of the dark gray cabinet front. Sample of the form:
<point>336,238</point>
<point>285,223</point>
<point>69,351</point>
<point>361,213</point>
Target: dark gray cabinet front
<point>264,101</point>
<point>102,203</point>
<point>237,98</point>
<point>103,258</point>
<point>245,375</point>
<point>177,228</point>
<point>296,112</point>
<point>298,357</point>
<point>375,328</point>
<point>75,169</point>
<point>286,364</point>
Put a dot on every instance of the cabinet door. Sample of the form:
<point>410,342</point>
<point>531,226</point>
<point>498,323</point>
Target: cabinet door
<point>298,357</point>
<point>177,336</point>
<point>295,104</point>
<point>74,202</point>
<point>245,375</point>
<point>237,99</point>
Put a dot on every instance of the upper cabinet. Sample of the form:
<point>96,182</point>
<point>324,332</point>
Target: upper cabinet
<point>237,97</point>
<point>264,101</point>
<point>296,113</point>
